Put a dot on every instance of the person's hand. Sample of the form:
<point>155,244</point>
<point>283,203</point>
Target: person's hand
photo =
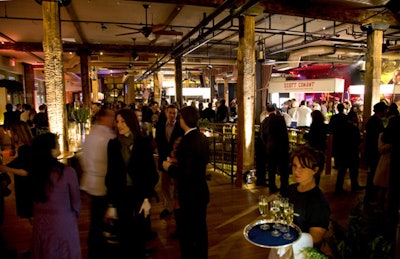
<point>146,206</point>
<point>166,165</point>
<point>111,213</point>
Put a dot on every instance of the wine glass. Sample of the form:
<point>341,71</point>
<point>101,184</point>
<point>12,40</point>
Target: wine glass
<point>275,208</point>
<point>284,204</point>
<point>288,216</point>
<point>263,208</point>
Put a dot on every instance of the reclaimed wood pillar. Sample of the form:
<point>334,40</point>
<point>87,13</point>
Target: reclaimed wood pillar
<point>246,92</point>
<point>372,72</point>
<point>157,87</point>
<point>86,89</point>
<point>54,71</point>
<point>95,85</point>
<point>178,80</point>
<point>29,84</point>
<point>213,89</point>
<point>131,90</point>
<point>226,92</point>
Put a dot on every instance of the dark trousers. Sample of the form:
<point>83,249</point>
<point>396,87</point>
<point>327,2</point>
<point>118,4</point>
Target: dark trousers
<point>278,163</point>
<point>96,244</point>
<point>131,227</point>
<point>371,191</point>
<point>394,194</point>
<point>348,162</point>
<point>260,162</point>
<point>193,236</point>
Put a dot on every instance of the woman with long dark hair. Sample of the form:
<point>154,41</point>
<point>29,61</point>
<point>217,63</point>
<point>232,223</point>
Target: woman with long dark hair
<point>57,202</point>
<point>130,180</point>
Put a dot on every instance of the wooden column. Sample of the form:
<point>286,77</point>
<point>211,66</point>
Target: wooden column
<point>86,89</point>
<point>131,93</point>
<point>246,90</point>
<point>95,86</point>
<point>54,71</point>
<point>29,84</point>
<point>212,87</point>
<point>178,80</point>
<point>372,72</point>
<point>157,87</point>
<point>226,91</point>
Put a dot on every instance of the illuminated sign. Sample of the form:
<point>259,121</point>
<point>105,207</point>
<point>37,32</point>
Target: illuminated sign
<point>307,86</point>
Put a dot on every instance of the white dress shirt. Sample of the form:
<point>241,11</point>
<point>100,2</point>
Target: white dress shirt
<point>94,160</point>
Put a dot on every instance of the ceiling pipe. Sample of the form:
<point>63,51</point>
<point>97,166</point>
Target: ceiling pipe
<point>295,57</point>
<point>178,50</point>
<point>155,66</point>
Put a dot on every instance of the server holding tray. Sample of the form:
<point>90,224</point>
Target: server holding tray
<point>311,211</point>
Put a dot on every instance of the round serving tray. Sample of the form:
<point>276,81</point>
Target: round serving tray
<point>263,238</point>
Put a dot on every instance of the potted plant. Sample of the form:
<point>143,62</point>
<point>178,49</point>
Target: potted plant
<point>203,125</point>
<point>81,116</point>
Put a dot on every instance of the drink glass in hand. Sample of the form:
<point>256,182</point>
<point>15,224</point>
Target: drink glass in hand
<point>263,208</point>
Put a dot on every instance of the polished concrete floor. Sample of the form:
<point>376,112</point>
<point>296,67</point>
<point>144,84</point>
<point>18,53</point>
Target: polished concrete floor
<point>230,210</point>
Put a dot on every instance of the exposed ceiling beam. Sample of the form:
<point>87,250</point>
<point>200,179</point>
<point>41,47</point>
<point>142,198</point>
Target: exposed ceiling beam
<point>171,17</point>
<point>328,12</point>
<point>73,47</point>
<point>72,14</point>
<point>205,3</point>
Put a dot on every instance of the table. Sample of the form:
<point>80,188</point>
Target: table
<point>263,238</point>
<point>65,157</point>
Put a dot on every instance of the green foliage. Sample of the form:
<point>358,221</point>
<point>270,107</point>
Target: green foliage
<point>313,253</point>
<point>81,115</point>
<point>203,124</point>
<point>358,241</point>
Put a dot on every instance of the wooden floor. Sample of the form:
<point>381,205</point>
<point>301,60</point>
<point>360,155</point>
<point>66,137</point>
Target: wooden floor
<point>230,210</point>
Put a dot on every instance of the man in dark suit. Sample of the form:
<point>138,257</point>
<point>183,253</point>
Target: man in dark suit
<point>208,113</point>
<point>275,137</point>
<point>193,156</point>
<point>167,131</point>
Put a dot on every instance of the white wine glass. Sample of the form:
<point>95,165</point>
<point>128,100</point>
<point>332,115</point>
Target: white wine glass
<point>263,208</point>
<point>275,209</point>
<point>288,216</point>
<point>283,206</point>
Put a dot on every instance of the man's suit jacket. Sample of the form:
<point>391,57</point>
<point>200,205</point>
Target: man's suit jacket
<point>193,156</point>
<point>164,146</point>
<point>274,134</point>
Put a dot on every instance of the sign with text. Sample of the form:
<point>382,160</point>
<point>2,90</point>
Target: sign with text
<point>307,86</point>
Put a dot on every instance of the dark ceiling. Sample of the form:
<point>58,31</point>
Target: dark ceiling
<point>142,36</point>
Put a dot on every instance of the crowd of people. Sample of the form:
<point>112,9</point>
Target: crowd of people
<point>119,172</point>
<point>119,175</point>
<point>343,121</point>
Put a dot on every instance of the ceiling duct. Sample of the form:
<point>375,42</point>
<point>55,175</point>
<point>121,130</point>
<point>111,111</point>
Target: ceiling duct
<point>295,57</point>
